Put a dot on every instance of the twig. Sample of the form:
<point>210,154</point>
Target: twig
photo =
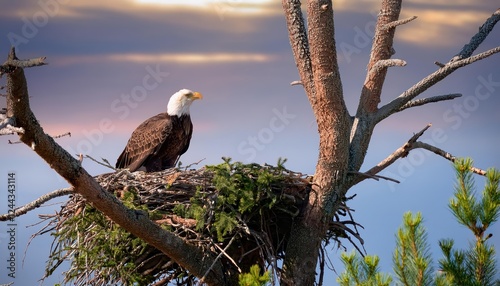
<point>195,163</point>
<point>423,101</point>
<point>106,164</point>
<point>375,177</point>
<point>394,24</point>
<point>62,135</point>
<point>387,63</point>
<point>445,155</point>
<point>296,82</point>
<point>36,203</point>
<point>222,251</point>
<point>404,150</point>
<point>399,153</point>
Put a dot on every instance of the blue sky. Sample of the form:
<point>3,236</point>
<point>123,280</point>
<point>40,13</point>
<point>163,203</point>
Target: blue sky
<point>114,64</point>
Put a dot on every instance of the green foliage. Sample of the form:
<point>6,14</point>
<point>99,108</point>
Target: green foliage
<point>361,271</point>
<point>110,246</point>
<point>243,191</point>
<point>475,265</point>
<point>412,259</point>
<point>254,278</point>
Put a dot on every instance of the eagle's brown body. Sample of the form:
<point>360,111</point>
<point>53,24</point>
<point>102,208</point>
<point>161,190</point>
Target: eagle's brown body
<point>157,143</point>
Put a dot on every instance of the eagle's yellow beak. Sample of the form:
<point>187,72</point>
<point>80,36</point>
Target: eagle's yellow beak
<point>197,95</point>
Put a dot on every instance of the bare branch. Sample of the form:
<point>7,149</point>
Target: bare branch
<point>479,37</point>
<point>445,155</point>
<point>382,49</point>
<point>36,203</point>
<point>382,64</point>
<point>404,150</point>
<point>394,24</point>
<point>298,41</point>
<point>420,102</point>
<point>430,80</point>
<point>13,62</point>
<point>399,153</point>
<point>62,135</point>
<point>375,177</point>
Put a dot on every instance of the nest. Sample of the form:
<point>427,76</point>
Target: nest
<point>243,213</point>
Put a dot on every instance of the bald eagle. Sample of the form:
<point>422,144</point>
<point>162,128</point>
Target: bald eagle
<point>158,142</point>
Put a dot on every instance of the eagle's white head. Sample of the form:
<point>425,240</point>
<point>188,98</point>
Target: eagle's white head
<point>180,102</point>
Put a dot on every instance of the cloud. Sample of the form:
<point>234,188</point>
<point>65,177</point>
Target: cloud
<point>439,27</point>
<point>184,58</point>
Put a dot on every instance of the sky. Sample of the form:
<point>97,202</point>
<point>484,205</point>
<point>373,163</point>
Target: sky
<point>113,64</point>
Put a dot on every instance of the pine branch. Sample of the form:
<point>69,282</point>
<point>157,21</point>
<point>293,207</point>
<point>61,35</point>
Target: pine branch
<point>36,203</point>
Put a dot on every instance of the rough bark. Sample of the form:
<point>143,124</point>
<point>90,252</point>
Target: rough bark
<point>189,256</point>
<point>333,121</point>
<point>344,141</point>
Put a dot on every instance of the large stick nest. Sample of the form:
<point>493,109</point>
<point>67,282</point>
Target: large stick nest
<point>242,213</point>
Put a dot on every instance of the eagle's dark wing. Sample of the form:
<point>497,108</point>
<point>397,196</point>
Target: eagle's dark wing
<point>145,142</point>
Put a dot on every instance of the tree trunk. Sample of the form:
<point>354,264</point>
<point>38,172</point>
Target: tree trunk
<point>333,121</point>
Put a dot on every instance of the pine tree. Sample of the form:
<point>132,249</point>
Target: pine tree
<point>362,271</point>
<point>412,259</point>
<point>476,265</point>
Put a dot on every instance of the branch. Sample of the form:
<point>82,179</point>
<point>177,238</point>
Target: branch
<point>298,41</point>
<point>445,155</point>
<point>36,203</point>
<point>430,80</point>
<point>420,102</point>
<point>383,64</point>
<point>13,62</point>
<point>187,255</point>
<point>479,37</point>
<point>381,51</point>
<point>404,150</point>
<point>394,24</point>
<point>399,153</point>
<point>462,59</point>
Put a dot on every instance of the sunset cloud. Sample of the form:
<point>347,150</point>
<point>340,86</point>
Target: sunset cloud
<point>186,58</point>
